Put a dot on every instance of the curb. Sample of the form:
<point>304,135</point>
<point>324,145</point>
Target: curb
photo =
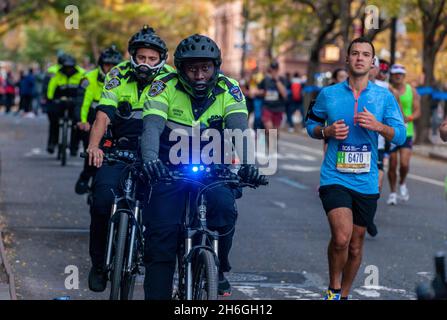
<point>437,156</point>
<point>10,275</point>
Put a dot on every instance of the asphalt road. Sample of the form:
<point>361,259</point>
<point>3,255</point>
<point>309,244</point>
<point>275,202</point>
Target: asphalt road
<point>282,233</point>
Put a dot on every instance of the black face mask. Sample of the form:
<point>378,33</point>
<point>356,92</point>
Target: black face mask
<point>143,73</point>
<point>68,71</point>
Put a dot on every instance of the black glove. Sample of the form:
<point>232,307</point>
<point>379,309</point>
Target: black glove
<point>250,174</point>
<point>155,170</point>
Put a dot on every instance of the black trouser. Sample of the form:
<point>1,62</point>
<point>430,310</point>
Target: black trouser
<point>106,179</point>
<point>291,107</point>
<point>26,103</point>
<point>9,101</point>
<point>163,219</point>
<point>56,112</point>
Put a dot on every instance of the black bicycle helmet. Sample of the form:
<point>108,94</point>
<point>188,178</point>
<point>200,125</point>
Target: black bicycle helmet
<point>197,47</point>
<point>60,55</point>
<point>147,38</point>
<point>67,61</point>
<point>110,56</point>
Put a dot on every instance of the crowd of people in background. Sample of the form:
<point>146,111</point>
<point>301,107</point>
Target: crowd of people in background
<point>22,90</point>
<point>274,99</point>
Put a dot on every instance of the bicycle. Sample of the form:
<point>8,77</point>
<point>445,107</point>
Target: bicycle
<point>65,127</point>
<point>196,275</point>
<point>125,242</point>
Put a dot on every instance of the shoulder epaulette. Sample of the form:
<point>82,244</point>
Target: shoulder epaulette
<point>168,77</point>
<point>226,80</point>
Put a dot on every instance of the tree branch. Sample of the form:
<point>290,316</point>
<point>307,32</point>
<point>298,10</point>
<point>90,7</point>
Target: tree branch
<point>440,40</point>
<point>308,3</point>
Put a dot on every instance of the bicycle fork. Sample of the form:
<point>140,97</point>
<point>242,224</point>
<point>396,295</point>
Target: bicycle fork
<point>133,235</point>
<point>189,244</point>
<point>111,230</point>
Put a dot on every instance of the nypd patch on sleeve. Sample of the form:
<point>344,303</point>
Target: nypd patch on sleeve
<point>114,72</point>
<point>113,83</point>
<point>157,87</point>
<point>237,94</point>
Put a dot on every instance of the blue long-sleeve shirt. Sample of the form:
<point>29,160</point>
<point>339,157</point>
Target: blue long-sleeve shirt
<point>338,102</point>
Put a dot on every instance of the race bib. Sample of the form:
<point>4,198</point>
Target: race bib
<point>354,158</point>
<point>271,95</point>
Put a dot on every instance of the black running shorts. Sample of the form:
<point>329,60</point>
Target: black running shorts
<point>363,206</point>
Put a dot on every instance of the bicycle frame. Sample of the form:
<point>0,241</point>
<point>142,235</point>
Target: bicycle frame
<point>188,251</point>
<point>65,127</point>
<point>135,220</point>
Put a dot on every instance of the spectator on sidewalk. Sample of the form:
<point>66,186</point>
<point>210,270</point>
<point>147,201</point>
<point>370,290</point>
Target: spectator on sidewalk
<point>2,90</point>
<point>443,130</point>
<point>274,92</point>
<point>26,85</point>
<point>294,99</point>
<point>10,92</point>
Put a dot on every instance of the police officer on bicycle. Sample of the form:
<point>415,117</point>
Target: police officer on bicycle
<point>198,93</point>
<point>92,85</point>
<point>121,106</point>
<point>65,83</point>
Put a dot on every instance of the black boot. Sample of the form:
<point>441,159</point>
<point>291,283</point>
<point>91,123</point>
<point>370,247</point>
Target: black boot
<point>224,287</point>
<point>97,279</point>
<point>81,186</point>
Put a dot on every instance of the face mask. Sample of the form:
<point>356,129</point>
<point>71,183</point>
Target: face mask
<point>68,71</point>
<point>145,71</point>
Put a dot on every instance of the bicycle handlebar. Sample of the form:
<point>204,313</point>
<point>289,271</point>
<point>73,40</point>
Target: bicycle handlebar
<point>123,156</point>
<point>219,174</point>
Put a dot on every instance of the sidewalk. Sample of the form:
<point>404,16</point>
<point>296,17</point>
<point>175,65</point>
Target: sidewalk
<point>436,151</point>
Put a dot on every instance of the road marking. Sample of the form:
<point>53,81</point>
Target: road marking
<point>33,152</point>
<point>299,168</point>
<point>426,180</point>
<point>315,151</point>
<point>282,205</point>
<point>320,153</point>
<point>50,229</point>
<point>292,183</point>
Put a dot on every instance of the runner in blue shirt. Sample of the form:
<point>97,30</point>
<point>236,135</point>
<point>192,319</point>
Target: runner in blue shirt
<point>356,111</point>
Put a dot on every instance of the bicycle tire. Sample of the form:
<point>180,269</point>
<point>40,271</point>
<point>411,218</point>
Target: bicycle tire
<point>64,144</point>
<point>178,287</point>
<point>127,286</point>
<point>118,259</point>
<point>205,279</point>
<point>129,278</point>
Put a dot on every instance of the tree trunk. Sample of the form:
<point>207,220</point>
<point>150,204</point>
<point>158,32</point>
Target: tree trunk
<point>345,21</point>
<point>246,17</point>
<point>423,123</point>
<point>312,68</point>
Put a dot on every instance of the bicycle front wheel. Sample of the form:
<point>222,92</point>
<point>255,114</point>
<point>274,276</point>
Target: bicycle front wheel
<point>127,286</point>
<point>64,143</point>
<point>118,259</point>
<point>205,279</point>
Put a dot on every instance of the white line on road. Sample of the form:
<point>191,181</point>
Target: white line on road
<point>427,180</point>
<point>319,152</point>
<point>299,168</point>
<point>292,183</point>
<point>315,151</point>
